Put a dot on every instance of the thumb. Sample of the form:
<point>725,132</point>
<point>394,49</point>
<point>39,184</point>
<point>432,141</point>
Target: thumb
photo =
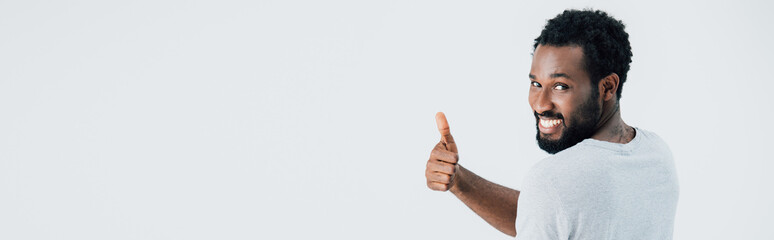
<point>443,128</point>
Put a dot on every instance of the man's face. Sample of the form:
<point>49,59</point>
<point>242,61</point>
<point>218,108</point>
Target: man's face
<point>566,105</point>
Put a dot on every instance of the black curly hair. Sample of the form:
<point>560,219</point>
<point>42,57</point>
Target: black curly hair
<point>605,44</point>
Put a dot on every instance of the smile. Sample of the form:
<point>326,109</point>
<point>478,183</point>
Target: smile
<point>549,123</point>
<point>549,126</point>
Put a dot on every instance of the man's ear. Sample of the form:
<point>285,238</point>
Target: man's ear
<point>608,86</point>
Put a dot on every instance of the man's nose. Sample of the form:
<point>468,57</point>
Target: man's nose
<point>542,102</point>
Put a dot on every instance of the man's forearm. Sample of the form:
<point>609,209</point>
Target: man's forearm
<point>496,204</point>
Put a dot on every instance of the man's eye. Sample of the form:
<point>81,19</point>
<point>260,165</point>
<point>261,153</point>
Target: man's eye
<point>535,84</point>
<point>561,87</point>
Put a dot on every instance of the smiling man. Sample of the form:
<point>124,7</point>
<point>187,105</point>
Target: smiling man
<point>604,179</point>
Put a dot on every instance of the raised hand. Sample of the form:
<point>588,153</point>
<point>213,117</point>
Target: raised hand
<point>442,165</point>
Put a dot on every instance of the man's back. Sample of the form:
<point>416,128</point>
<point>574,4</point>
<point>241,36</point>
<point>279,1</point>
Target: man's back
<point>601,190</point>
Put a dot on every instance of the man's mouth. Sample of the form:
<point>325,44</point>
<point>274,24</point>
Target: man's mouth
<point>549,126</point>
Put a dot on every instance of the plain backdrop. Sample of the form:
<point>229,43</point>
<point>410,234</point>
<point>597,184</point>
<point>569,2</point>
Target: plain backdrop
<point>314,119</point>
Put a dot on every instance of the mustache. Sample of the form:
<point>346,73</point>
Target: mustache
<point>549,115</point>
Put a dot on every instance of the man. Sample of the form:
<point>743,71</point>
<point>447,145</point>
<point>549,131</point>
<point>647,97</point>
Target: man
<point>604,179</point>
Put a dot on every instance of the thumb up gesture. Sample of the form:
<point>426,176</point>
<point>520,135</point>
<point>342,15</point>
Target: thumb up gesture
<point>442,165</point>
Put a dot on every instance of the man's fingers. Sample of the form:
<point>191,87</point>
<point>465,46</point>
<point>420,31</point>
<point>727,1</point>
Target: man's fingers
<point>441,167</point>
<point>439,177</point>
<point>444,155</point>
<point>443,128</point>
<point>438,186</point>
<point>438,147</point>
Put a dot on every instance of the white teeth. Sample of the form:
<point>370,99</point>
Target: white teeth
<point>550,123</point>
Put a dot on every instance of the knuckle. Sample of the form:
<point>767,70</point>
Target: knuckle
<point>441,178</point>
<point>440,168</point>
<point>432,165</point>
<point>446,178</point>
<point>443,154</point>
<point>437,147</point>
<point>438,177</point>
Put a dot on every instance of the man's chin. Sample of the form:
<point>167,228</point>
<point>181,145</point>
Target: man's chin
<point>551,143</point>
<point>554,137</point>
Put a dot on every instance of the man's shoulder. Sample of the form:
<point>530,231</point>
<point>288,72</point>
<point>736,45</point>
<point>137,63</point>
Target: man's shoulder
<point>568,169</point>
<point>578,157</point>
<point>653,139</point>
<point>644,142</point>
<point>597,163</point>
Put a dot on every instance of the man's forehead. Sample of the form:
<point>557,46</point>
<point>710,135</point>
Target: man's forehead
<point>549,59</point>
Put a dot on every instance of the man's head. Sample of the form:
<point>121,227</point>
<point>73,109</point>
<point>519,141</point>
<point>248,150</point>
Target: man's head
<point>579,65</point>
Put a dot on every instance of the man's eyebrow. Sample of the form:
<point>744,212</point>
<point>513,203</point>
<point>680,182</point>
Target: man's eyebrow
<point>553,75</point>
<point>560,75</point>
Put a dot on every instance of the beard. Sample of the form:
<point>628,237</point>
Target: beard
<point>584,123</point>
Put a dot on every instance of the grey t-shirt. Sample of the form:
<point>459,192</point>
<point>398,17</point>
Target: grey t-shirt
<point>601,190</point>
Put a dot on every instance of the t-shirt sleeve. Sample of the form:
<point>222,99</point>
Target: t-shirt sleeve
<point>539,214</point>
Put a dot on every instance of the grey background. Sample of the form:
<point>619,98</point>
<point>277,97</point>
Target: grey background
<point>314,119</point>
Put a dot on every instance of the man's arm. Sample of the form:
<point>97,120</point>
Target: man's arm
<point>494,203</point>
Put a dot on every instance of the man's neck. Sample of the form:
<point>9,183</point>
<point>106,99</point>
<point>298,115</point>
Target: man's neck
<point>612,128</point>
